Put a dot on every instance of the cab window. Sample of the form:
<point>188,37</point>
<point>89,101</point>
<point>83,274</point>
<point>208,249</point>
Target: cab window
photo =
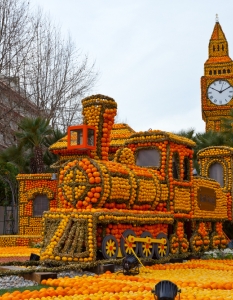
<point>216,172</point>
<point>175,165</point>
<point>148,158</point>
<point>186,169</point>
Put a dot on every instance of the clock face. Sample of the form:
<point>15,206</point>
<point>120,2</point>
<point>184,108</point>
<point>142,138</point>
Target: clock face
<point>220,92</point>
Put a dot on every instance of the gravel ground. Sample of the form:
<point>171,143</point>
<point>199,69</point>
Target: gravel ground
<point>7,282</point>
<point>13,281</point>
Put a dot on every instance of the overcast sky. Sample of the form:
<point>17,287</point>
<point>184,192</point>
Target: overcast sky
<point>150,53</point>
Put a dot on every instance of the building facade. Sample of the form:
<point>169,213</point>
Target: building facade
<point>13,107</point>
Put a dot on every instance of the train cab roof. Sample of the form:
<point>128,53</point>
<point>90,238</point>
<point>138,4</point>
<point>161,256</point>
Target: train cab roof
<point>119,134</point>
<point>158,136</point>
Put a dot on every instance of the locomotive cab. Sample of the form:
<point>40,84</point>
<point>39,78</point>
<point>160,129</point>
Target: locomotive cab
<point>82,137</point>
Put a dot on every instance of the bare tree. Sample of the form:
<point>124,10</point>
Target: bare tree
<point>16,36</point>
<point>44,68</point>
<point>56,76</point>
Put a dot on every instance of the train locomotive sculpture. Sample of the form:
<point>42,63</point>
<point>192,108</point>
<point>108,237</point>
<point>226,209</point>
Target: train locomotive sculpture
<point>145,199</point>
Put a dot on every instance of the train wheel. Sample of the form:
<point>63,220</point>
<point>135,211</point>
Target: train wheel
<point>196,242</point>
<point>146,250</point>
<point>174,244</point>
<point>206,243</point>
<point>215,240</point>
<point>109,247</point>
<point>223,242</point>
<point>127,246</point>
<point>162,250</point>
<point>184,245</point>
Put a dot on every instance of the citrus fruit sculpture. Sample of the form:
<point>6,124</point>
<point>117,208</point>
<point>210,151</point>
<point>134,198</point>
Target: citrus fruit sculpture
<point>145,200</point>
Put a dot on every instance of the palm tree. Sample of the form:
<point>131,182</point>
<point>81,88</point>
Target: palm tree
<point>206,139</point>
<point>49,158</point>
<point>211,138</point>
<point>190,133</point>
<point>32,137</point>
<point>227,126</point>
<point>15,156</point>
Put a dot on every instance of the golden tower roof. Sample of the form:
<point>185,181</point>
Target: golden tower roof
<point>218,33</point>
<point>218,46</point>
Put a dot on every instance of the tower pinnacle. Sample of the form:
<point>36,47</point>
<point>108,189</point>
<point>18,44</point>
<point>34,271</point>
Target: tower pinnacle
<point>218,46</point>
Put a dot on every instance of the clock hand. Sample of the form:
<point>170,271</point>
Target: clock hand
<point>215,89</point>
<point>225,89</point>
<point>221,87</point>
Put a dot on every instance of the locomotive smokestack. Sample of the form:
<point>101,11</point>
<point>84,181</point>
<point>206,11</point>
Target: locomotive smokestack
<point>100,111</point>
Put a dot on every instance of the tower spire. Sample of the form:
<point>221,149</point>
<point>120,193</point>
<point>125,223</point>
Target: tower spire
<point>218,46</point>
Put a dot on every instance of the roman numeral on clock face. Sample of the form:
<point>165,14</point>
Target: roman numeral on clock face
<point>220,92</point>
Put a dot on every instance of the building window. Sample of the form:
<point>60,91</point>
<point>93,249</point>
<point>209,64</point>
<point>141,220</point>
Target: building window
<point>224,71</point>
<point>222,48</point>
<point>228,71</point>
<point>213,48</point>
<point>210,72</point>
<point>148,158</point>
<point>216,172</point>
<point>215,72</point>
<point>218,48</point>
<point>219,72</point>
<point>40,204</point>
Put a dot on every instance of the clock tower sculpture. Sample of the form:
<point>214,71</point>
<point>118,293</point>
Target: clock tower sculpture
<point>217,82</point>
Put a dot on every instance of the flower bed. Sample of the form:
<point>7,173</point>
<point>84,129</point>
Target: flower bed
<point>198,279</point>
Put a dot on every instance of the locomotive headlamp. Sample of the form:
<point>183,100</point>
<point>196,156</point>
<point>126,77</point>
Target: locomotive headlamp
<point>54,176</point>
<point>195,172</point>
<point>165,290</point>
<point>130,265</point>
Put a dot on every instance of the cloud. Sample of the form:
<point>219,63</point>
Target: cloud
<point>150,54</point>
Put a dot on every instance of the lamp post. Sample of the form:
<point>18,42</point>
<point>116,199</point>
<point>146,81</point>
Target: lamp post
<point>130,265</point>
<point>165,290</point>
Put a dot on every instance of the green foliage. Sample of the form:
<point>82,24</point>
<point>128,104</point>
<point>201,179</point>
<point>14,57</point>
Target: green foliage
<point>190,133</point>
<point>31,137</point>
<point>8,184</point>
<point>15,156</point>
<point>31,155</point>
<point>33,132</point>
<point>207,139</point>
<point>21,289</point>
<point>49,158</point>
